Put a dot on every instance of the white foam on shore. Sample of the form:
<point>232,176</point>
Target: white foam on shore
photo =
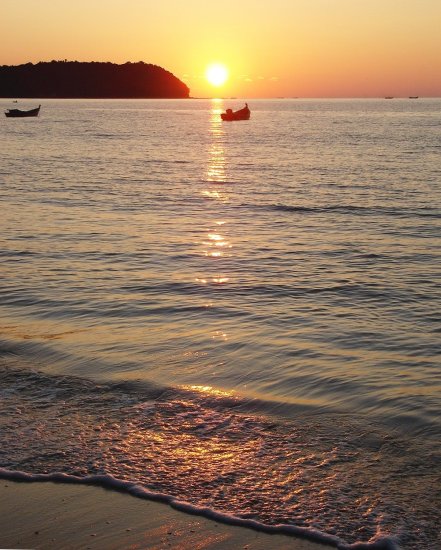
<point>110,482</point>
<point>340,478</point>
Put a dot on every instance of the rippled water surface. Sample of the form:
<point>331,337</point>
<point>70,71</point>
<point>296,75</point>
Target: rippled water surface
<point>243,316</point>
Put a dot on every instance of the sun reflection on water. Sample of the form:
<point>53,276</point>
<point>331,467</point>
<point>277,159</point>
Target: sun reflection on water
<point>216,168</point>
<point>209,391</point>
<point>214,240</point>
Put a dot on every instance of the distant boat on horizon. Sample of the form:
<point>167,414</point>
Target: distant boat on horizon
<point>18,113</point>
<point>388,97</point>
<point>413,97</point>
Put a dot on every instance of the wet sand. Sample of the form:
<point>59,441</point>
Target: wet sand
<point>56,515</point>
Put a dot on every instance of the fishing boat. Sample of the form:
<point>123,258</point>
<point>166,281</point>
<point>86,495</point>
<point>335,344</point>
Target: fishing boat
<point>241,114</point>
<point>18,113</point>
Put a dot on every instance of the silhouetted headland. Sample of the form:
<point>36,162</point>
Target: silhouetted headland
<point>74,79</point>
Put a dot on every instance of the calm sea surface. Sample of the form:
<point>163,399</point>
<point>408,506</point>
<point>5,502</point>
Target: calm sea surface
<point>244,317</point>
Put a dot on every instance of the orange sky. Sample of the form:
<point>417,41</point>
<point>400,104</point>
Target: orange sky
<point>301,48</point>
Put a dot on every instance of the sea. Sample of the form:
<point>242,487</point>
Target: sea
<point>241,319</point>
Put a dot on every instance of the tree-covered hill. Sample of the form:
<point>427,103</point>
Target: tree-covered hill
<point>90,80</point>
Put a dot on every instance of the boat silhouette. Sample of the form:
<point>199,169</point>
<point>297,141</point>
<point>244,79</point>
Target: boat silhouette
<point>241,114</point>
<point>18,113</point>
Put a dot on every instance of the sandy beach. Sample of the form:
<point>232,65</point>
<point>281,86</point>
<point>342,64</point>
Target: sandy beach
<point>55,515</point>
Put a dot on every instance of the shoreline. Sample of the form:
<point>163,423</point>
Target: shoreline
<point>52,515</point>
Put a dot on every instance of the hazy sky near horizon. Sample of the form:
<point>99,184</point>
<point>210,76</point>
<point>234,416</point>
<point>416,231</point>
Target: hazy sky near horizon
<point>305,48</point>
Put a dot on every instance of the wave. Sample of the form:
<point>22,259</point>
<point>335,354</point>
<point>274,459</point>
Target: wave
<point>326,476</point>
<point>359,210</point>
<point>110,482</point>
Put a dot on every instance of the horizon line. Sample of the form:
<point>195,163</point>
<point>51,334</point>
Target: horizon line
<point>229,98</point>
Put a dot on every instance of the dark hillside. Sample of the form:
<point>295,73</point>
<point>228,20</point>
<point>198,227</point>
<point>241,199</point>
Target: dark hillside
<point>90,80</point>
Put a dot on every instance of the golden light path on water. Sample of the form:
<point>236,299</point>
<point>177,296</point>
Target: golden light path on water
<point>215,244</point>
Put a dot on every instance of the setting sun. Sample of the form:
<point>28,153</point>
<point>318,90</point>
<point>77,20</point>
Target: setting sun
<point>216,74</point>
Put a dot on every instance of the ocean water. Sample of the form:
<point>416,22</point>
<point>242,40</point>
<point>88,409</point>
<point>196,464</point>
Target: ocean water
<point>238,318</point>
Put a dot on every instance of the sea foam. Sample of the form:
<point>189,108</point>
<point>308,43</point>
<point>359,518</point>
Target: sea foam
<point>335,479</point>
<point>110,482</point>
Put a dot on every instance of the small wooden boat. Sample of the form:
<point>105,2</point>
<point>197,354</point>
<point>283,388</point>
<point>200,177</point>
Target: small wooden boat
<point>241,114</point>
<point>18,113</point>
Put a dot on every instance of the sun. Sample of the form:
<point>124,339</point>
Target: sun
<point>216,74</point>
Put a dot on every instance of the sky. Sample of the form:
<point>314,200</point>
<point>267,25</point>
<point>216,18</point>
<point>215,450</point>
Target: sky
<point>271,48</point>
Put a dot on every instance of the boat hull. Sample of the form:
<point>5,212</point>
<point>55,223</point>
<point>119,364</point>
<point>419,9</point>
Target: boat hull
<point>232,117</point>
<point>17,113</point>
<point>242,114</point>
